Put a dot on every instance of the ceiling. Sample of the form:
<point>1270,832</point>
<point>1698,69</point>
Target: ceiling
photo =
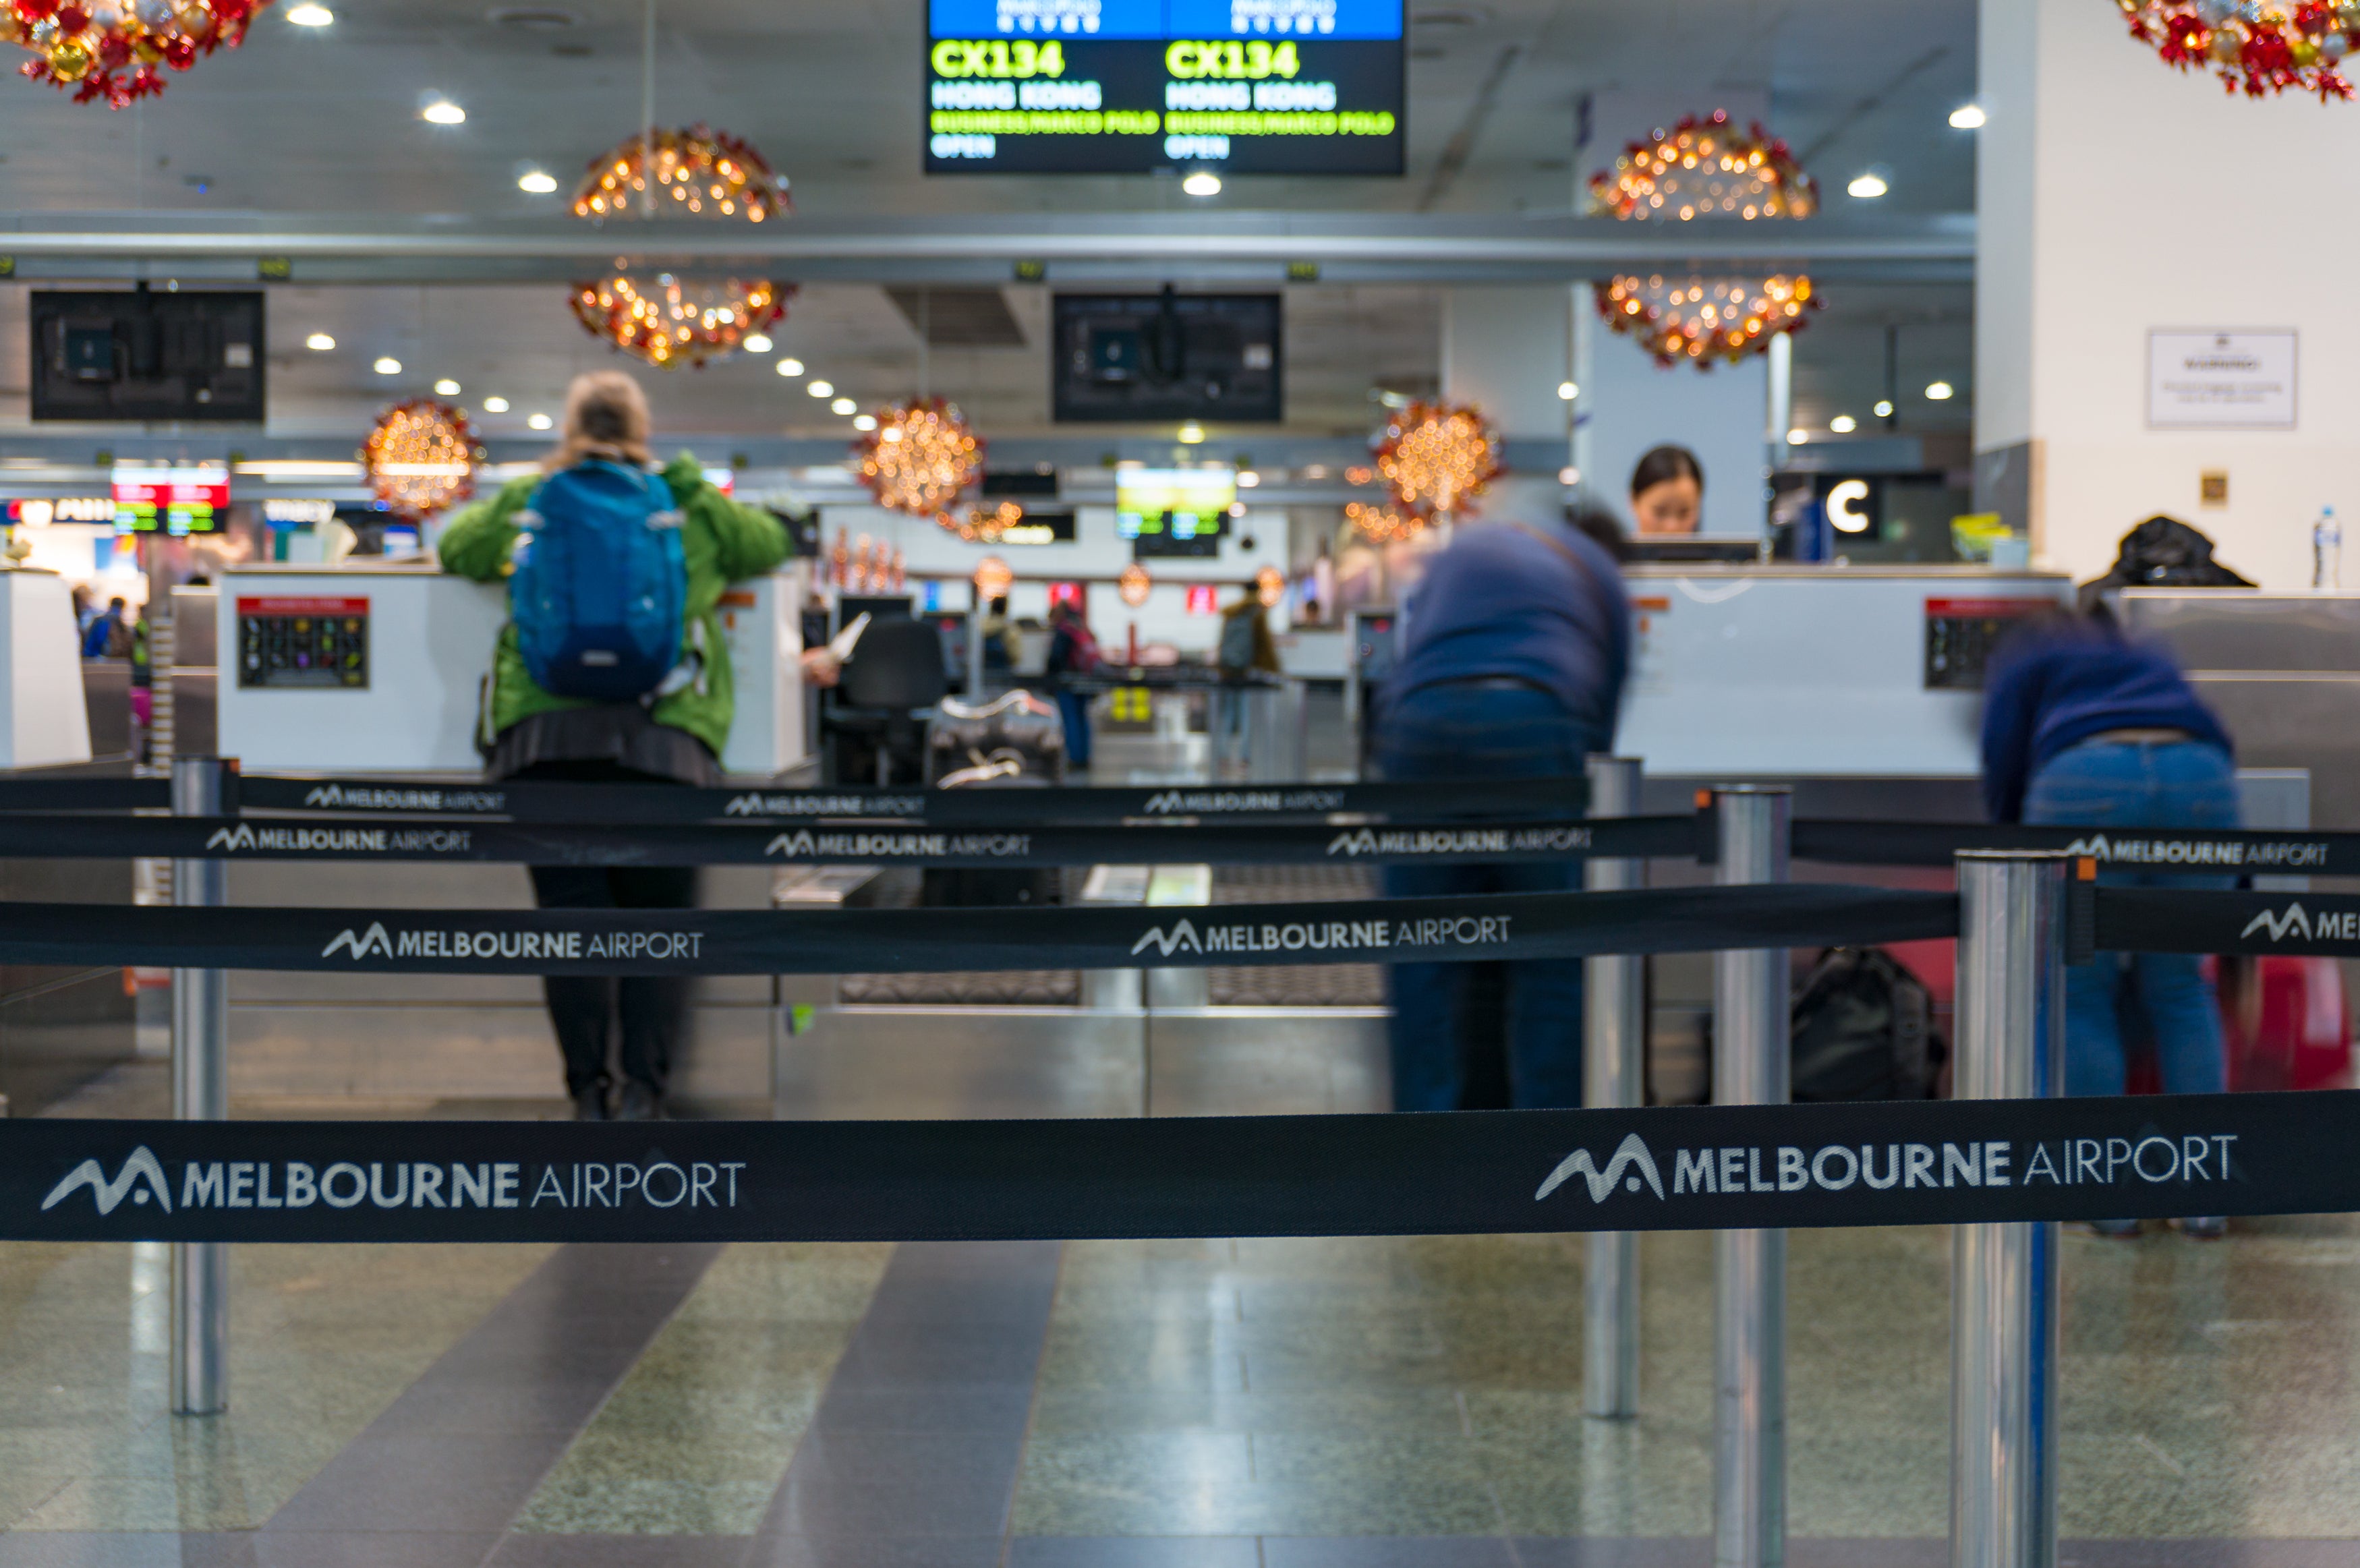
<point>325,121</point>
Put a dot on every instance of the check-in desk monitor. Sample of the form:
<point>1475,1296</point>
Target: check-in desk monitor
<point>382,669</point>
<point>1815,672</point>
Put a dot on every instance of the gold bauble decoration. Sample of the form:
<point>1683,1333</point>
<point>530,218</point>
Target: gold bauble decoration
<point>993,577</point>
<point>671,320</point>
<point>1270,585</point>
<point>1700,319</point>
<point>1382,525</point>
<point>1133,585</point>
<point>920,459</point>
<point>421,458</point>
<point>1437,457</point>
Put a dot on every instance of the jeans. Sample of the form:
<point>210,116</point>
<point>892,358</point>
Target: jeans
<point>1073,709</point>
<point>2147,784</point>
<point>1478,731</point>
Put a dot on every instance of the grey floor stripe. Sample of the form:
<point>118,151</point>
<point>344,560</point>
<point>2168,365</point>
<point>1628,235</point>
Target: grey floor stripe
<point>913,1457</point>
<point>451,1460</point>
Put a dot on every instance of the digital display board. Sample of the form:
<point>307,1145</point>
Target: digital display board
<point>175,500</point>
<point>1130,86</point>
<point>1180,505</point>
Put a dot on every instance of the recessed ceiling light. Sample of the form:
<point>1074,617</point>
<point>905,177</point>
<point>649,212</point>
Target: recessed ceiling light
<point>865,422</point>
<point>1883,409</point>
<point>321,341</point>
<point>1567,391</point>
<point>539,181</point>
<point>843,405</point>
<point>388,366</point>
<point>1843,424</point>
<point>539,421</point>
<point>1967,118</point>
<point>1797,436</point>
<point>443,112</point>
<point>496,405</point>
<point>1247,479</point>
<point>1940,391</point>
<point>310,16</point>
<point>791,366</point>
<point>1192,433</point>
<point>446,388</point>
<point>1867,187</point>
<point>821,389</point>
<point>759,343</point>
<point>1568,476</point>
<point>1204,182</point>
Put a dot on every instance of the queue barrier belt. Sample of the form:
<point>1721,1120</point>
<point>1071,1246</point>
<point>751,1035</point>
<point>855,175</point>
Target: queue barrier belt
<point>756,941</point>
<point>1771,1166</point>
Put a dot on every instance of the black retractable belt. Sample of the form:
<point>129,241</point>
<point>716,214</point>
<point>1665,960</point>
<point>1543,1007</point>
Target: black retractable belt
<point>96,792</point>
<point>2142,919</point>
<point>752,941</point>
<point>2218,852</point>
<point>922,844</point>
<point>1775,1167</point>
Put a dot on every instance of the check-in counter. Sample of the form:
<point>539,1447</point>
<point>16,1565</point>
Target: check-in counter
<point>44,721</point>
<point>381,670</point>
<point>1815,672</point>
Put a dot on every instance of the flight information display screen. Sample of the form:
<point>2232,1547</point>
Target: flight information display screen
<point>1130,86</point>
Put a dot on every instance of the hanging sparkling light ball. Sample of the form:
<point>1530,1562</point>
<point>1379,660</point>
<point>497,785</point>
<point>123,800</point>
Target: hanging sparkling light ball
<point>981,526</point>
<point>2262,49</point>
<point>421,458</point>
<point>1437,457</point>
<point>1133,585</point>
<point>1705,168</point>
<point>1382,525</point>
<point>920,459</point>
<point>1270,585</point>
<point>108,51</point>
<point>993,577</point>
<point>698,175</point>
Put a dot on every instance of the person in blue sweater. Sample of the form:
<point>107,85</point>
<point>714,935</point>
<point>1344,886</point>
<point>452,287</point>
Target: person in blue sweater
<point>2085,729</point>
<point>1514,652</point>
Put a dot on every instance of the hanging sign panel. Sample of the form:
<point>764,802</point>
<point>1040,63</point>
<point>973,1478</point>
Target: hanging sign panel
<point>2220,380</point>
<point>1130,86</point>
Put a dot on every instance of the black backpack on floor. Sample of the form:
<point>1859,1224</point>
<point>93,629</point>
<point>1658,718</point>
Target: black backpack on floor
<point>1863,1029</point>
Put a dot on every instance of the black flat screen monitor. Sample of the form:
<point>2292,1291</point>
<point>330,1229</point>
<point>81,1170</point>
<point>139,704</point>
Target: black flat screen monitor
<point>134,355</point>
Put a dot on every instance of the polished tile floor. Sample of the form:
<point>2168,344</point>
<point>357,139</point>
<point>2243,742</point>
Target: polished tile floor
<point>1182,1404</point>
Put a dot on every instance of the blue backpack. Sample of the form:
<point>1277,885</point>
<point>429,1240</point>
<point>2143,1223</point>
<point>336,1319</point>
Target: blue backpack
<point>600,589</point>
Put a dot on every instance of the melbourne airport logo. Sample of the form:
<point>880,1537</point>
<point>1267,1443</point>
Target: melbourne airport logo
<point>1206,802</point>
<point>1326,936</point>
<point>357,797</point>
<point>376,942</point>
<point>816,805</point>
<point>805,844</point>
<point>140,1168</point>
<point>1459,841</point>
<point>2294,921</point>
<point>2309,854</point>
<point>1632,1154</point>
<point>247,838</point>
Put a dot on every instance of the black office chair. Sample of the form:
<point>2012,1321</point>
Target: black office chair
<point>896,670</point>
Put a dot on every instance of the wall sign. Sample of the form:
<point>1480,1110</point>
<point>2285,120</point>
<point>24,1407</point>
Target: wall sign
<point>2221,379</point>
<point>303,641</point>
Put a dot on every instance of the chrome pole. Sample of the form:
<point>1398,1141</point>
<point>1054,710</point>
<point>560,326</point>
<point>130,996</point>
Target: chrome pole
<point>1614,1077</point>
<point>201,788</point>
<point>2003,1291</point>
<point>1749,1067</point>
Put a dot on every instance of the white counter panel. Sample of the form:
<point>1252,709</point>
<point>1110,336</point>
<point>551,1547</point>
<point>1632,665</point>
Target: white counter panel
<point>44,722</point>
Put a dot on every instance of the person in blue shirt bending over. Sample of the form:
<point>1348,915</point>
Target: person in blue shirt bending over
<point>2083,728</point>
<point>1514,652</point>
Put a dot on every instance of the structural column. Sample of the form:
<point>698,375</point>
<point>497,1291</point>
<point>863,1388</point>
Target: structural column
<point>202,787</point>
<point>1613,1072</point>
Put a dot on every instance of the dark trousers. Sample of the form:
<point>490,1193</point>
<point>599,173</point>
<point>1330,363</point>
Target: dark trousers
<point>1473,733</point>
<point>1073,709</point>
<point>644,1014</point>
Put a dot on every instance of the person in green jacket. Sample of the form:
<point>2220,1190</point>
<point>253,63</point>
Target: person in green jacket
<point>529,732</point>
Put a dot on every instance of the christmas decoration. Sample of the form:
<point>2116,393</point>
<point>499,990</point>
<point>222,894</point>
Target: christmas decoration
<point>1437,457</point>
<point>1701,319</point>
<point>921,457</point>
<point>992,578</point>
<point>1270,585</point>
<point>980,527</point>
<point>1704,167</point>
<point>1133,585</point>
<point>1382,525</point>
<point>2262,48</point>
<point>698,175</point>
<point>108,51</point>
<point>422,458</point>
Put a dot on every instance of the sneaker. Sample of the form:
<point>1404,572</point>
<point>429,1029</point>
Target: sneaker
<point>639,1103</point>
<point>590,1104</point>
<point>2203,1227</point>
<point>2106,1230</point>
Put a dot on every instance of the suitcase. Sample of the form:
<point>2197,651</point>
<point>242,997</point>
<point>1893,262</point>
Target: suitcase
<point>2286,1023</point>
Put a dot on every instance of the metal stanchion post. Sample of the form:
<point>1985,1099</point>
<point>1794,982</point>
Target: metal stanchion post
<point>2004,1295</point>
<point>1614,1077</point>
<point>1749,1067</point>
<point>202,787</point>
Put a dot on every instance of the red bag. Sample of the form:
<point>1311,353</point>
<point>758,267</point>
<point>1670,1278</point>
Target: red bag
<point>2286,1023</point>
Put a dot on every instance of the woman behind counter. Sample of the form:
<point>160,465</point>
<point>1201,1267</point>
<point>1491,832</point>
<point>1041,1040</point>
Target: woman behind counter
<point>675,733</point>
<point>1668,492</point>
